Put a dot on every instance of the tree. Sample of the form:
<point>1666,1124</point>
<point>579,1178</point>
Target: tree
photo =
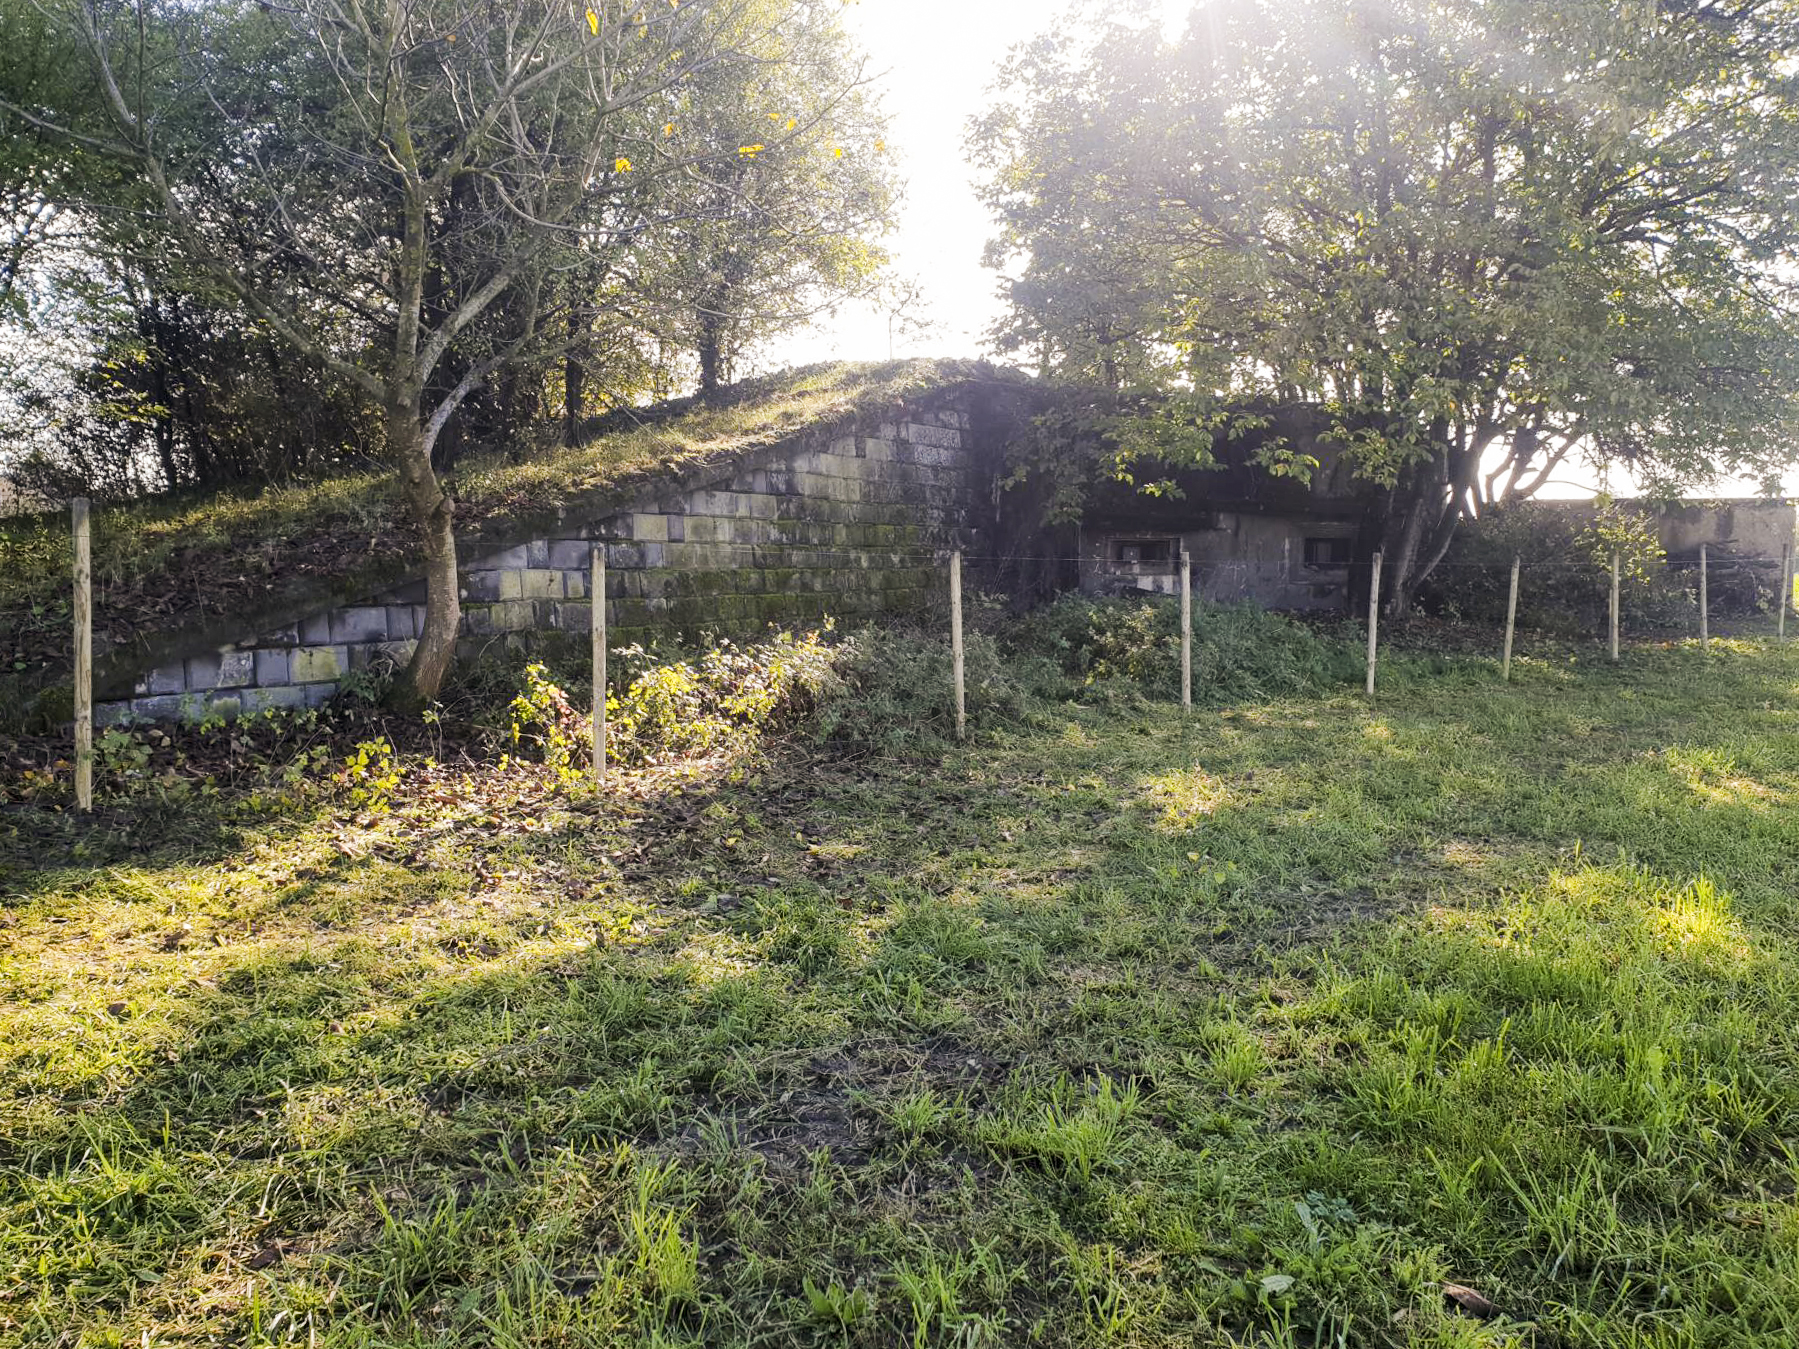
<point>786,220</point>
<point>778,215</point>
<point>906,305</point>
<point>392,187</point>
<point>1485,235</point>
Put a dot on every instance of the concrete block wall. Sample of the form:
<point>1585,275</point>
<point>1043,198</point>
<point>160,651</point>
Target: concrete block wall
<point>847,526</point>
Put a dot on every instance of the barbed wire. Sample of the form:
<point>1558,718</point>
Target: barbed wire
<point>1161,566</point>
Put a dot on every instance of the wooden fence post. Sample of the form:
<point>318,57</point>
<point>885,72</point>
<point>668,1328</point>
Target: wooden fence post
<point>1705,617</point>
<point>1511,618</point>
<point>955,641</point>
<point>84,657</point>
<point>1786,591</point>
<point>597,595</point>
<point>1614,606</point>
<point>1373,621</point>
<point>1186,630</point>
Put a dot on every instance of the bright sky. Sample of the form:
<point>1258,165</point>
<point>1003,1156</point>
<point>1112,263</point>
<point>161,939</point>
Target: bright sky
<point>936,59</point>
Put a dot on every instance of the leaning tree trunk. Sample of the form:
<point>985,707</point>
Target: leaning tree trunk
<point>1419,524</point>
<point>711,353</point>
<point>1401,556</point>
<point>435,515</point>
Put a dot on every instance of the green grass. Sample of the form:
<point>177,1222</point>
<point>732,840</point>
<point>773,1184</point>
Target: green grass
<point>1114,1028</point>
<point>170,567</point>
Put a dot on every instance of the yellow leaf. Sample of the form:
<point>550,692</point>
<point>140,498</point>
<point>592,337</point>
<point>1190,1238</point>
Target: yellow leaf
<point>751,150</point>
<point>669,130</point>
<point>621,165</point>
<point>837,150</point>
<point>792,122</point>
<point>593,23</point>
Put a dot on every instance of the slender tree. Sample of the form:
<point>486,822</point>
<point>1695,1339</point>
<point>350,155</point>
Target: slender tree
<point>1485,236</point>
<point>790,193</point>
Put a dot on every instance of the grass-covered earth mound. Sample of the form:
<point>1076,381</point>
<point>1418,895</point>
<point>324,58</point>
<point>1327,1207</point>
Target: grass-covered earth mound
<point>1463,1019</point>
<point>232,562</point>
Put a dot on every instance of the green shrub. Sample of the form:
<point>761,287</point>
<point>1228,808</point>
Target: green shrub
<point>1091,641</point>
<point>1239,651</point>
<point>373,773</point>
<point>731,693</point>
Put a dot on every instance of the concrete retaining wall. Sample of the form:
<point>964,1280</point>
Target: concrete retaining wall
<point>847,524</point>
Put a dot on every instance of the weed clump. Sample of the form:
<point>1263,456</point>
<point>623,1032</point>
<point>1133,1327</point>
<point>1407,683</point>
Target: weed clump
<point>897,694</point>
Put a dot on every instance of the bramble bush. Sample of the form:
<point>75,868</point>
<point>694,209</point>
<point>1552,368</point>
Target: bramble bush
<point>543,718</point>
<point>727,697</point>
<point>678,707</point>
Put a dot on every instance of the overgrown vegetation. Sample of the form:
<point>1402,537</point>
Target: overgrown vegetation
<point>1239,650</point>
<point>1462,1020</point>
<point>1565,584</point>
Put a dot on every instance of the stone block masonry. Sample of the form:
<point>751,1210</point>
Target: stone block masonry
<point>848,522</point>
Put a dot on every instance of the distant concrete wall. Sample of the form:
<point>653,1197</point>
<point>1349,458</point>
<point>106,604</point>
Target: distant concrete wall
<point>1747,528</point>
<point>847,525</point>
<point>1241,556</point>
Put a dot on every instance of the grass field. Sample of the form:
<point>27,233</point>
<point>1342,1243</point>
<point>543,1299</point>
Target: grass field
<point>1267,1027</point>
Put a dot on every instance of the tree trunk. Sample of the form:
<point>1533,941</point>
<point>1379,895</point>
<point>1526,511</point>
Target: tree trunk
<point>574,375</point>
<point>1413,539</point>
<point>710,352</point>
<point>435,515</point>
<point>574,396</point>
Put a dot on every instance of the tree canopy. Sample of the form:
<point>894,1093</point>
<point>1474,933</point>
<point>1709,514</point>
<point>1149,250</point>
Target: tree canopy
<point>425,199</point>
<point>1485,235</point>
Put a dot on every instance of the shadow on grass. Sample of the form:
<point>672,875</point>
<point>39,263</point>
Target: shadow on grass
<point>1068,1031</point>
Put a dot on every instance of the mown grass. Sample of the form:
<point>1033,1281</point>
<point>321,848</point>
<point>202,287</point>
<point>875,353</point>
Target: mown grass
<point>1260,1027</point>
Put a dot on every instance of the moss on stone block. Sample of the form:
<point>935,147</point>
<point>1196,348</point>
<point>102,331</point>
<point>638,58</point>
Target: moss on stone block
<point>690,614</point>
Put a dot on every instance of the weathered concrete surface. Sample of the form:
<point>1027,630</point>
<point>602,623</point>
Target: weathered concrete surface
<point>1264,556</point>
<point>1236,556</point>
